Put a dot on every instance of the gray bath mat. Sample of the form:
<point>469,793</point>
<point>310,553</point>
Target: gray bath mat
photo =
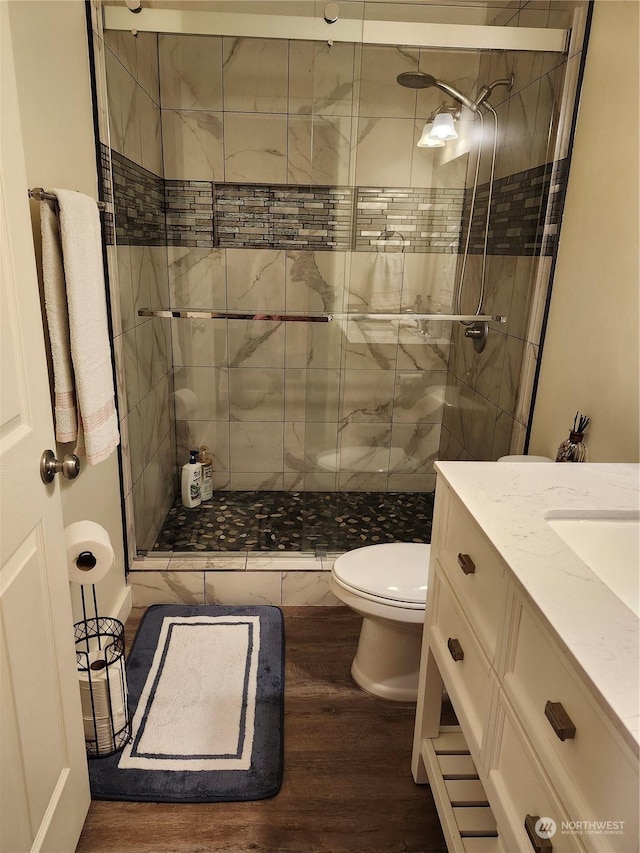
<point>206,695</point>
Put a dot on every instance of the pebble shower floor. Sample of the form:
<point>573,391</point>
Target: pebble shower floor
<point>315,522</point>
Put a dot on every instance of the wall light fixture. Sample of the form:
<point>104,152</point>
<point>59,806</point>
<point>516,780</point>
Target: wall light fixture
<point>439,127</point>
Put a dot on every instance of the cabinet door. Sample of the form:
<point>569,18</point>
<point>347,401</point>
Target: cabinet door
<point>519,791</point>
<point>462,663</point>
<point>592,768</point>
<point>475,572</point>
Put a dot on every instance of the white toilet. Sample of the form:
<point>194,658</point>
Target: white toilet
<point>515,458</point>
<point>387,586</point>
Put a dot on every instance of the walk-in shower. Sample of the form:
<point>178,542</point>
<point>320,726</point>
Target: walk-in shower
<point>256,170</point>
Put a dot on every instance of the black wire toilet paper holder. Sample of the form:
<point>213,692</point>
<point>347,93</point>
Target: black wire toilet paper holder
<point>100,658</point>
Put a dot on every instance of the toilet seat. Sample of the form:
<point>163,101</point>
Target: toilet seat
<point>394,574</point>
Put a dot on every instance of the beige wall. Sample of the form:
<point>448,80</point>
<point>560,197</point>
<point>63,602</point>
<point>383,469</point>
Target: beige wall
<point>590,358</point>
<point>52,71</point>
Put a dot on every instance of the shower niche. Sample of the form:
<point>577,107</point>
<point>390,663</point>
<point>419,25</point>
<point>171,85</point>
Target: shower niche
<point>293,276</point>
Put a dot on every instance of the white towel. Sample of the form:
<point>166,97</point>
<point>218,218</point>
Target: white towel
<point>80,237</point>
<point>384,287</point>
<point>55,300</point>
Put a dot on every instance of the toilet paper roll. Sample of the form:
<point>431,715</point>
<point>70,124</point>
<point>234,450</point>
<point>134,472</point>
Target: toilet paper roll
<point>103,693</point>
<point>103,702</point>
<point>89,552</point>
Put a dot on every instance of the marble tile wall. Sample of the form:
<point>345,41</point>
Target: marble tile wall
<point>218,579</point>
<point>350,405</point>
<point>488,398</point>
<point>311,154</point>
<point>138,273</point>
<point>105,190</point>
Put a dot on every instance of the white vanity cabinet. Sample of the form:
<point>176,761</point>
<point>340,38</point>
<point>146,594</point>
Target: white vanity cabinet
<point>538,741</point>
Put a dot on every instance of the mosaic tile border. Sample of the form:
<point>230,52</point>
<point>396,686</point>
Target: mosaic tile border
<point>139,203</point>
<point>189,213</point>
<point>418,220</point>
<point>150,211</point>
<point>253,216</point>
<point>106,194</point>
<point>520,222</point>
<point>106,187</point>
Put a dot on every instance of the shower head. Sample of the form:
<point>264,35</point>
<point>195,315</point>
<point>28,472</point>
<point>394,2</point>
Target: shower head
<point>420,80</point>
<point>416,80</point>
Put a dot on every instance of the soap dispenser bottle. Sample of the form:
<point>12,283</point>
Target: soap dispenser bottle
<point>206,491</point>
<point>191,480</point>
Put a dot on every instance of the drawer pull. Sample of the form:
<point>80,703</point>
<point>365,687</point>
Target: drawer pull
<point>466,564</point>
<point>540,845</point>
<point>560,721</point>
<point>455,649</point>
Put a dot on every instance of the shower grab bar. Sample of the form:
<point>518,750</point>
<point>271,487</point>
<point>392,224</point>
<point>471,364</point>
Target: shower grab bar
<point>196,314</point>
<point>40,194</point>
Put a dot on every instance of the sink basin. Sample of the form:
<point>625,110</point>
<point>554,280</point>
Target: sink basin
<point>609,543</point>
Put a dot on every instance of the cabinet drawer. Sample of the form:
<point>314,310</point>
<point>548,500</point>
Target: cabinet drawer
<point>466,679</point>
<point>476,573</point>
<point>593,770</point>
<point>519,789</point>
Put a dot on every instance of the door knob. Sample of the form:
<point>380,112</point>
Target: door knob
<point>69,467</point>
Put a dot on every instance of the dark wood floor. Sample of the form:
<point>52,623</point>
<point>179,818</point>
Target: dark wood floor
<point>347,782</point>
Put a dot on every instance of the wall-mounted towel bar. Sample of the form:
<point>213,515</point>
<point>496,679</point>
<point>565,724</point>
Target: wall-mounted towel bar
<point>40,194</point>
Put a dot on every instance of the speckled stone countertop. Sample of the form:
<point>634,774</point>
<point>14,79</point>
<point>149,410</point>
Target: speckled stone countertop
<point>598,631</point>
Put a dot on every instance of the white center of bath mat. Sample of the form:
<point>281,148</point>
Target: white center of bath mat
<point>198,703</point>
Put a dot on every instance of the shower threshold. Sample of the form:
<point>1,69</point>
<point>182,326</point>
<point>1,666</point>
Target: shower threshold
<point>315,523</point>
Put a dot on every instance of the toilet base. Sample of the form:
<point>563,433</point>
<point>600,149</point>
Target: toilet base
<point>387,662</point>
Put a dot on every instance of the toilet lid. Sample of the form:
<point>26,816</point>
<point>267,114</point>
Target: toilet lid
<point>397,571</point>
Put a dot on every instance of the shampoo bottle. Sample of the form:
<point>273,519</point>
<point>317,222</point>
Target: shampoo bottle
<point>191,479</point>
<point>206,461</point>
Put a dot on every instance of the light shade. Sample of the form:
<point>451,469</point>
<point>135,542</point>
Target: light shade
<point>427,141</point>
<point>443,127</point>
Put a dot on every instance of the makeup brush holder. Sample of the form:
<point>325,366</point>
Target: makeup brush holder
<point>572,449</point>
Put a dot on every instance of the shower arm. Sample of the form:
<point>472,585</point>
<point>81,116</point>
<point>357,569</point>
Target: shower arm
<point>486,90</point>
<point>481,99</point>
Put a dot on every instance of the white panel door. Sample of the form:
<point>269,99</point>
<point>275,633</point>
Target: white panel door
<point>44,788</point>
